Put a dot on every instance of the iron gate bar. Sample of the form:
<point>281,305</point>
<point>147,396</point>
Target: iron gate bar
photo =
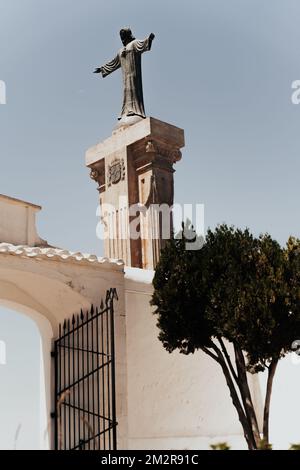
<point>89,320</point>
<point>78,373</point>
<point>98,381</point>
<point>82,350</point>
<point>89,412</point>
<point>103,383</point>
<point>85,388</point>
<point>93,438</point>
<point>113,372</point>
<point>108,378</point>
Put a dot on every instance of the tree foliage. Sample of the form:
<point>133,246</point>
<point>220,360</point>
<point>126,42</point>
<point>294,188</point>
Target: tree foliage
<point>220,446</point>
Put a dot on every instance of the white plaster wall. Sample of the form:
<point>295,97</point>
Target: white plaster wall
<point>17,222</point>
<point>174,401</point>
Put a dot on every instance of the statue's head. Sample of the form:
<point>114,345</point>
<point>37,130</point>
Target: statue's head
<point>126,36</point>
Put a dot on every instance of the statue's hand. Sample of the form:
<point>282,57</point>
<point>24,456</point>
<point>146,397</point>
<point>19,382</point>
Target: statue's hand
<point>152,36</point>
<point>98,70</point>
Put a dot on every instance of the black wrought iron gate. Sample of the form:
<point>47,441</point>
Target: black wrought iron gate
<point>85,391</point>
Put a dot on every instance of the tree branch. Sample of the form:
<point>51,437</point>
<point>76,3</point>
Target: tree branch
<point>271,373</point>
<point>246,424</point>
<point>227,357</point>
<point>212,355</point>
<point>242,382</point>
<point>248,433</point>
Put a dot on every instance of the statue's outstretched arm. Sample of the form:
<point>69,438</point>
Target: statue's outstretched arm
<point>145,44</point>
<point>110,67</point>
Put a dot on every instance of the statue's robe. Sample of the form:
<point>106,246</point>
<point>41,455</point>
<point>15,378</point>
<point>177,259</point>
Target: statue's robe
<point>129,59</point>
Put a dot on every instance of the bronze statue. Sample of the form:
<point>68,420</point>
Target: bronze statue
<point>129,59</point>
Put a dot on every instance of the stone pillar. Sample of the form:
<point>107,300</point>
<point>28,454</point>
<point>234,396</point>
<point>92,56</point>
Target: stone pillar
<point>135,166</point>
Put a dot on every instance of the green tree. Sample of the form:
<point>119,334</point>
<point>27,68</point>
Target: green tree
<point>294,447</point>
<point>237,290</point>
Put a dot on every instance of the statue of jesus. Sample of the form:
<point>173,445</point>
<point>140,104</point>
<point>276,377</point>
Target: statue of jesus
<point>129,59</point>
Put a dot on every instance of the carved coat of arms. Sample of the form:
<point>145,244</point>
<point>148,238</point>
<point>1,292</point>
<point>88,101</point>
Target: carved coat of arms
<point>116,171</point>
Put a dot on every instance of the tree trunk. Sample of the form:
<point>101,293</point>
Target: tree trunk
<point>236,402</point>
<point>271,373</point>
<point>242,382</point>
<point>235,399</point>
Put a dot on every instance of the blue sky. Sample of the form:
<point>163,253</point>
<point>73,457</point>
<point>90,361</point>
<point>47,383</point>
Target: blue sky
<point>220,70</point>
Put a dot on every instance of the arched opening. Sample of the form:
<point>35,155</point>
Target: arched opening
<point>25,364</point>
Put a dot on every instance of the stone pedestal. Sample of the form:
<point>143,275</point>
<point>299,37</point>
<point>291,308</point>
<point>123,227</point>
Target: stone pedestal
<point>135,167</point>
